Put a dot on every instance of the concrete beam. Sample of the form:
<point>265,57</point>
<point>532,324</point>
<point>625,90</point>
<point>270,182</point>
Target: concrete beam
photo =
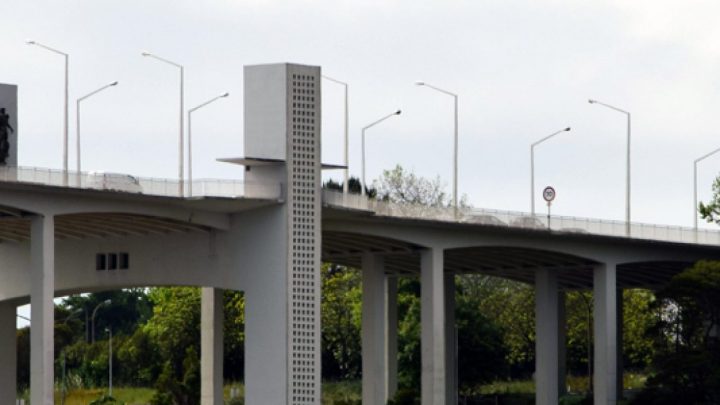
<point>8,353</point>
<point>392,335</point>
<point>562,344</point>
<point>211,346</point>
<point>547,337</point>
<point>42,354</point>
<point>451,359</point>
<point>605,328</point>
<point>433,349</point>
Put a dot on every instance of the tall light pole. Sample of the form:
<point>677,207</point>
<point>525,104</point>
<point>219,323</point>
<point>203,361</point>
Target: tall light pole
<point>695,192</point>
<point>92,318</point>
<point>455,146</point>
<point>77,124</point>
<point>532,167</point>
<point>627,164</point>
<point>65,108</point>
<point>181,168</point>
<point>345,147</point>
<point>362,186</point>
<point>63,388</point>
<point>190,111</point>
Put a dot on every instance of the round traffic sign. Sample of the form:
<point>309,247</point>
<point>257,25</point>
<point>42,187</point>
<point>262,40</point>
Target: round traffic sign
<point>549,194</point>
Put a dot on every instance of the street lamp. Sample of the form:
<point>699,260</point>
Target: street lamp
<point>77,111</point>
<point>362,186</point>
<point>695,192</point>
<point>345,148</point>
<point>627,179</point>
<point>455,147</point>
<point>181,169</point>
<point>532,167</point>
<point>190,111</point>
<point>65,110</point>
<point>92,318</point>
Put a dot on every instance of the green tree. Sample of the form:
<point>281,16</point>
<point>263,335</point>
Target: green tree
<point>341,319</point>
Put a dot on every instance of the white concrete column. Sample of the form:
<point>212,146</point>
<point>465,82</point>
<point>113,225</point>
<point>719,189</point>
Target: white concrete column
<point>619,340</point>
<point>432,279</point>
<point>211,346</point>
<point>605,313</point>
<point>42,352</point>
<point>562,344</point>
<point>547,337</point>
<point>392,336</point>
<point>8,353</point>
<point>451,367</point>
<point>375,327</point>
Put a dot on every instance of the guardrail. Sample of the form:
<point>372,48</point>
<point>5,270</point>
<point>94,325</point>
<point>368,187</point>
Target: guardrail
<point>140,185</point>
<point>516,219</point>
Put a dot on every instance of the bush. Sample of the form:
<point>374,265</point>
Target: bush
<point>406,397</point>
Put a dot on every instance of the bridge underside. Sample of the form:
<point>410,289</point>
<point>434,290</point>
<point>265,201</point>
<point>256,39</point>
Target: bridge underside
<point>519,264</point>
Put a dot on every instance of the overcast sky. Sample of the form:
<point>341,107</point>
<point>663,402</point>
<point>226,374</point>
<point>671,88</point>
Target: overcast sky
<point>522,68</point>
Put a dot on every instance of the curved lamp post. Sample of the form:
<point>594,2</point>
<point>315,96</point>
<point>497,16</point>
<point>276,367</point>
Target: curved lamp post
<point>65,109</point>
<point>345,147</point>
<point>92,318</point>
<point>77,125</point>
<point>181,168</point>
<point>627,179</point>
<point>532,166</point>
<point>190,111</point>
<point>362,186</point>
<point>455,146</point>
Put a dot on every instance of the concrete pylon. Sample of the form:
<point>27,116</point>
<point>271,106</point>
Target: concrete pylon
<point>433,328</point>
<point>8,353</point>
<point>211,346</point>
<point>451,368</point>
<point>547,337</point>
<point>605,313</point>
<point>42,290</point>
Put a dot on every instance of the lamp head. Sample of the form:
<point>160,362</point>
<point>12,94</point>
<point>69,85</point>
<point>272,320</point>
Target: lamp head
<point>567,129</point>
<point>398,112</point>
<point>225,95</point>
<point>107,302</point>
<point>418,83</point>
<point>30,42</point>
<point>145,53</point>
<point>115,83</point>
<point>591,101</point>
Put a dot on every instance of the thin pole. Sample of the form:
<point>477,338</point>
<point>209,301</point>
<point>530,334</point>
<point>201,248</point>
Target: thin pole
<point>627,181</point>
<point>65,120</point>
<point>532,166</point>
<point>189,131</point>
<point>362,186</point>
<point>110,360</point>
<point>455,160</point>
<point>347,140</point>
<point>181,158</point>
<point>695,192</point>
<point>77,141</point>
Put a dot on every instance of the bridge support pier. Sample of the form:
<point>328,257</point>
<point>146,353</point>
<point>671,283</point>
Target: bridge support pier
<point>211,347</point>
<point>451,369</point>
<point>42,315</point>
<point>433,327</point>
<point>606,321</point>
<point>562,344</point>
<point>8,353</point>
<point>548,338</point>
<point>379,331</point>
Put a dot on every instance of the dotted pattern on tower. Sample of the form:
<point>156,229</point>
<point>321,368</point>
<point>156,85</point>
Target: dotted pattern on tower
<point>304,213</point>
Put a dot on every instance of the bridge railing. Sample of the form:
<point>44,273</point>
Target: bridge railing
<point>139,185</point>
<point>524,220</point>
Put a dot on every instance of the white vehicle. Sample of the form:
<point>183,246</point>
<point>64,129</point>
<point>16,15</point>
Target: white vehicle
<point>113,181</point>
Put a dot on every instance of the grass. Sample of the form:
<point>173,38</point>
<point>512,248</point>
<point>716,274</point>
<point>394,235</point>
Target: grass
<point>130,396</point>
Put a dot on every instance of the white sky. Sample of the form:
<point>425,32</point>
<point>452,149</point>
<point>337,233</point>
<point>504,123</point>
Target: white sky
<point>523,69</point>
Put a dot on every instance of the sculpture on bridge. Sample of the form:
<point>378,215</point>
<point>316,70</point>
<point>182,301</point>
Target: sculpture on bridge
<point>5,129</point>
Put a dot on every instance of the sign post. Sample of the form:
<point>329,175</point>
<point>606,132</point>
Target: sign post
<point>549,195</point>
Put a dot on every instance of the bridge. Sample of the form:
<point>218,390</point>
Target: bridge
<point>65,233</point>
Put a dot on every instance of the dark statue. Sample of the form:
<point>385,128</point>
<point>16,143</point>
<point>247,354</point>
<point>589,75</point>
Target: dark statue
<point>5,130</point>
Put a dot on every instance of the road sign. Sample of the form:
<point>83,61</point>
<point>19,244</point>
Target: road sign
<point>549,194</point>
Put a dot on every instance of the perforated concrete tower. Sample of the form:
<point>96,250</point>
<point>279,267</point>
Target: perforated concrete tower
<point>282,144</point>
<point>8,102</point>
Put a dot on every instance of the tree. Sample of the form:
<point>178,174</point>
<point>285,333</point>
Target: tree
<point>341,319</point>
<point>686,364</point>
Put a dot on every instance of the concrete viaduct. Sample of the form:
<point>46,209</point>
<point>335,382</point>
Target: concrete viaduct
<point>67,233</point>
